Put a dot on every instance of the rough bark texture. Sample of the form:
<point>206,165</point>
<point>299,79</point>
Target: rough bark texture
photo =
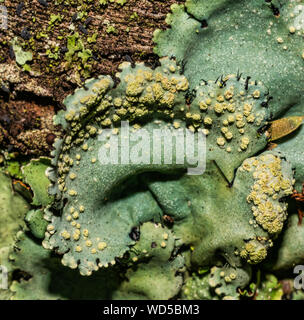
<point>70,41</point>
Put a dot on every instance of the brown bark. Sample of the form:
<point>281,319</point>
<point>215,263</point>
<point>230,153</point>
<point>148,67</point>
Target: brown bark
<point>123,33</point>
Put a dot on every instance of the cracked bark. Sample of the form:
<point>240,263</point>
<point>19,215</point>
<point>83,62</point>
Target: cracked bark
<point>29,99</point>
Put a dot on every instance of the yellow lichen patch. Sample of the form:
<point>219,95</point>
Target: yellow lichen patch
<point>218,108</point>
<point>280,40</point>
<point>102,85</point>
<point>220,141</point>
<point>134,88</point>
<point>232,276</point>
<point>165,236</point>
<point>247,109</point>
<point>254,252</point>
<point>76,235</point>
<point>292,29</point>
<point>78,249</point>
<point>220,98</point>
<point>183,84</point>
<point>269,181</point>
<point>207,121</point>
<point>85,147</point>
<point>224,130</point>
<point>70,115</point>
<point>92,130</point>
<point>244,143</point>
<point>101,246</point>
<point>228,94</point>
<point>50,227</point>
<point>172,68</point>
<point>228,135</point>
<point>231,119</point>
<point>231,107</point>
<point>106,123</point>
<point>72,176</point>
<point>117,102</point>
<point>72,193</point>
<point>176,124</point>
<point>250,118</point>
<point>208,101</point>
<point>203,106</point>
<point>88,100</point>
<point>89,243</point>
<point>240,124</point>
<point>75,215</point>
<point>256,94</point>
<point>282,127</point>
<point>196,117</point>
<point>65,234</point>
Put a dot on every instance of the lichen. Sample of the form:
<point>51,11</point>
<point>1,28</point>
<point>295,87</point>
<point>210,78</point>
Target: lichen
<point>260,39</point>
<point>22,57</point>
<point>46,279</point>
<point>150,229</point>
<point>35,176</point>
<point>270,185</point>
<point>149,99</point>
<point>220,283</point>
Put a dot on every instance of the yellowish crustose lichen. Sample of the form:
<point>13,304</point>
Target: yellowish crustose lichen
<point>228,105</point>
<point>254,252</point>
<point>270,184</point>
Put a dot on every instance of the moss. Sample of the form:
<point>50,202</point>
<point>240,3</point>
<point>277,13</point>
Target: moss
<point>269,289</point>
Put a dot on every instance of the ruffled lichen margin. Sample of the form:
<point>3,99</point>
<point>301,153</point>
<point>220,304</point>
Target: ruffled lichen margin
<point>104,215</point>
<point>93,230</point>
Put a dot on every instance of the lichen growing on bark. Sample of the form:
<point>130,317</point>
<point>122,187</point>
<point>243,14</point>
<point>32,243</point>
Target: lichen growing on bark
<point>226,70</point>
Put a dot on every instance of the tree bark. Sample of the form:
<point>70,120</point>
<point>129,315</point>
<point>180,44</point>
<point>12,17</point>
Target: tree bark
<point>105,35</point>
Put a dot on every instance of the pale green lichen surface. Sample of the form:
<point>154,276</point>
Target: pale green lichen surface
<point>150,230</point>
<point>241,36</point>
